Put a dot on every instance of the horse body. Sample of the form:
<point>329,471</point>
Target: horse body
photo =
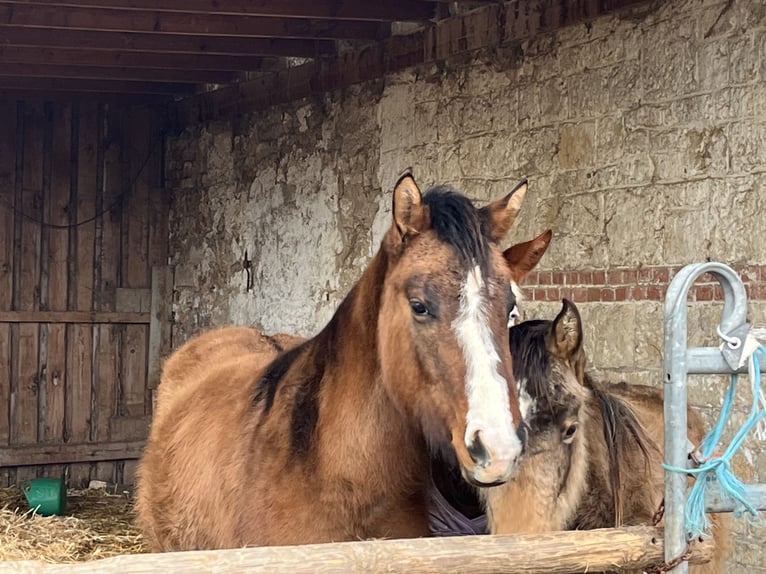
<point>212,347</point>
<point>329,440</point>
<point>593,457</point>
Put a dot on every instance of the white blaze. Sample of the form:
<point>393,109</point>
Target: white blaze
<point>489,409</point>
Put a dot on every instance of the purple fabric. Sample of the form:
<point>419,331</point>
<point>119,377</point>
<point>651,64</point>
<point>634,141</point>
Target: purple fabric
<point>445,520</point>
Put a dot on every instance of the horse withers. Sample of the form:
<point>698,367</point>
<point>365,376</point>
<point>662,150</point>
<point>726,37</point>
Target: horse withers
<point>330,440</point>
<point>593,458</point>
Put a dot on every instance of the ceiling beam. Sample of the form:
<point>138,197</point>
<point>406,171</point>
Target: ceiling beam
<point>86,57</point>
<point>153,100</point>
<point>29,16</point>
<point>380,10</point>
<point>100,86</point>
<point>142,42</point>
<point>117,73</point>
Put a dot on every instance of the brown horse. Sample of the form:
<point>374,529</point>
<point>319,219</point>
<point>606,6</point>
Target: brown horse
<point>195,356</point>
<point>593,459</point>
<point>330,440</point>
<point>224,342</point>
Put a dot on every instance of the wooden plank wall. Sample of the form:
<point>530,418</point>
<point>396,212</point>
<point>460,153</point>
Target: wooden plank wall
<point>83,225</point>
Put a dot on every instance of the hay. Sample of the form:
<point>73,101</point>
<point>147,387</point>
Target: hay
<point>96,525</point>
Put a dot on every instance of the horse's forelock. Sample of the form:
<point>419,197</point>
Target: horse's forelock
<point>458,223</point>
<point>531,362</point>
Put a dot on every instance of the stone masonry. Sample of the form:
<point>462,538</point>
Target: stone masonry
<point>643,135</point>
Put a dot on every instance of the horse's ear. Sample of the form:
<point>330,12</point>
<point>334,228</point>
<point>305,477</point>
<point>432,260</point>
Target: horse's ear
<point>565,336</point>
<point>502,213</point>
<point>410,215</point>
<point>523,257</point>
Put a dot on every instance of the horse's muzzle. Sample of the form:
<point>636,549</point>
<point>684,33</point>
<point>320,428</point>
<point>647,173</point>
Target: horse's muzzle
<point>491,468</point>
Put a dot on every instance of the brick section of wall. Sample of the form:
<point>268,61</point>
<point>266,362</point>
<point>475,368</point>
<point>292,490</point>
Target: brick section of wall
<point>645,284</point>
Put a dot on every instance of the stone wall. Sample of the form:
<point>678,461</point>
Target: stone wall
<point>643,135</point>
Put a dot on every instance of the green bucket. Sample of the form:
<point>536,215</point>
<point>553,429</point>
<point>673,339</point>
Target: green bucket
<point>46,495</point>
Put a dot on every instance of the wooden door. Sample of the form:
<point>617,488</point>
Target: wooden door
<point>84,286</point>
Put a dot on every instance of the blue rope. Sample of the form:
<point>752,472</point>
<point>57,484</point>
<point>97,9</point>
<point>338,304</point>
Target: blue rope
<point>718,468</point>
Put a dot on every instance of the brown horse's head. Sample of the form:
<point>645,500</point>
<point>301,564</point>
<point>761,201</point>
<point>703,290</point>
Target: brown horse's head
<point>442,326</point>
<point>549,366</point>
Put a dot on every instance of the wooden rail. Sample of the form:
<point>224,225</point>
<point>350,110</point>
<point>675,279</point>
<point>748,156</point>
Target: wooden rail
<point>39,454</point>
<point>73,317</point>
<point>552,553</point>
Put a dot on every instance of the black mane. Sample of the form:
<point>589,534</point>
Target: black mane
<point>531,361</point>
<point>456,221</point>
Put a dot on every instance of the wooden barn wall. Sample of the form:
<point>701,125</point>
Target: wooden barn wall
<point>83,229</point>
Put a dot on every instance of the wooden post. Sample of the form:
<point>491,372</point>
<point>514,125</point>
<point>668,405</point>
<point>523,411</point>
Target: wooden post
<point>550,553</point>
<point>160,321</point>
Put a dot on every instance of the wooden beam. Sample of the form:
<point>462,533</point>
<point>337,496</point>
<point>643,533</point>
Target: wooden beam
<point>636,547</point>
<point>161,323</point>
<point>85,317</point>
<point>146,60</point>
<point>96,86</point>
<point>116,73</point>
<point>387,11</point>
<point>26,95</point>
<point>488,27</point>
<point>176,43</point>
<point>66,17</point>
<point>37,454</point>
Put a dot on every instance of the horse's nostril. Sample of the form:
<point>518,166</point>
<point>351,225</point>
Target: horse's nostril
<point>477,450</point>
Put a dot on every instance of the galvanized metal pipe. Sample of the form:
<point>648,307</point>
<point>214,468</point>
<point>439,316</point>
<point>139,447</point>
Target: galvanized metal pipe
<point>676,366</point>
<point>714,502</point>
<point>709,361</point>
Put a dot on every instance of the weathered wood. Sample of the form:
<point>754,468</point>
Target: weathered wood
<point>106,285</point>
<point>14,95</point>
<point>18,187</point>
<point>93,18</point>
<point>84,317</point>
<point>38,454</point>
<point>136,272</point>
<point>58,342</point>
<point>145,42</point>
<point>75,56</point>
<point>135,300</point>
<point>7,197</point>
<point>44,199</point>
<point>130,428</point>
<point>552,553</point>
<point>142,167</point>
<point>389,11</point>
<point>58,214</point>
<point>161,277</point>
<point>487,27</point>
<point>96,415</point>
<point>160,327</point>
<point>5,392</point>
<point>24,422</point>
<point>41,69</point>
<point>80,376</point>
<point>96,86</point>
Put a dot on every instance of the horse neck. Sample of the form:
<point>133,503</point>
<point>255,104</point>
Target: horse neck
<point>356,415</point>
<point>350,339</point>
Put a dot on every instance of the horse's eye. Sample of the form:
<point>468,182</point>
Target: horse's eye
<point>568,435</point>
<point>418,307</point>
